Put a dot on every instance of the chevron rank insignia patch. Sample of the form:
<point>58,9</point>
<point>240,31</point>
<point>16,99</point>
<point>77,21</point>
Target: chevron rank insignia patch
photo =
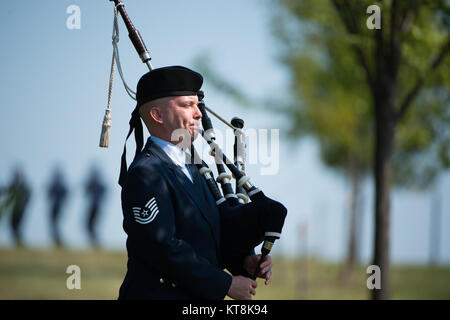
<point>146,214</point>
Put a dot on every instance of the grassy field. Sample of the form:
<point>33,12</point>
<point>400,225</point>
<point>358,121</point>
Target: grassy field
<point>41,274</point>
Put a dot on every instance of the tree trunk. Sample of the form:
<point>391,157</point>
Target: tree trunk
<point>385,126</point>
<point>352,246</point>
<point>435,223</point>
<point>355,179</point>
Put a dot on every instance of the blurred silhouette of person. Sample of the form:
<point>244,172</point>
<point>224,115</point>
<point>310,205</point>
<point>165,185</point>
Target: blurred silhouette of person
<point>95,192</point>
<point>16,196</point>
<point>57,195</point>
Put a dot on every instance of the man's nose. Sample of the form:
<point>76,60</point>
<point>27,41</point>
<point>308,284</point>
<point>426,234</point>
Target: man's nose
<point>197,113</point>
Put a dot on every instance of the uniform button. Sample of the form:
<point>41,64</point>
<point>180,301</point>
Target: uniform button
<point>161,280</point>
<point>173,285</point>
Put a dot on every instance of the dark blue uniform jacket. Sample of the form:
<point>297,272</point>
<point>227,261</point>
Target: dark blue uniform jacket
<point>174,233</point>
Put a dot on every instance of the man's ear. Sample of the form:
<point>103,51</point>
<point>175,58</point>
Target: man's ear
<point>156,115</point>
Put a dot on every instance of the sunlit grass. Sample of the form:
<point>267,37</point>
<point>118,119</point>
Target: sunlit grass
<point>41,274</point>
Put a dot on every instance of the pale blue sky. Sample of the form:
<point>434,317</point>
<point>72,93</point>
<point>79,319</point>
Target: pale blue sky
<point>54,85</point>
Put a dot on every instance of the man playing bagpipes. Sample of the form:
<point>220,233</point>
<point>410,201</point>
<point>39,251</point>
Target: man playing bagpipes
<point>179,240</point>
<point>182,232</point>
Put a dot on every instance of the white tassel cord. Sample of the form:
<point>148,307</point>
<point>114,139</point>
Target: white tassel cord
<point>106,126</point>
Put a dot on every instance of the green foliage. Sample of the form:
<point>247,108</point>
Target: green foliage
<point>333,90</point>
<point>425,139</point>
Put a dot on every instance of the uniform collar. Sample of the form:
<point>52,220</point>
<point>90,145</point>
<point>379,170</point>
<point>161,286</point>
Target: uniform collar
<point>175,153</point>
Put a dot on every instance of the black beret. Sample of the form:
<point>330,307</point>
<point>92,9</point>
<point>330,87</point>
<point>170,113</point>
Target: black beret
<point>167,82</point>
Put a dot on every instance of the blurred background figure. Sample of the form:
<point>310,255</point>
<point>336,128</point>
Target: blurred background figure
<point>57,195</point>
<point>16,197</point>
<point>95,192</point>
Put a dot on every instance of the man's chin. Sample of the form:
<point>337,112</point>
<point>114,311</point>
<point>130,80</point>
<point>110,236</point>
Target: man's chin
<point>194,136</point>
<point>194,133</point>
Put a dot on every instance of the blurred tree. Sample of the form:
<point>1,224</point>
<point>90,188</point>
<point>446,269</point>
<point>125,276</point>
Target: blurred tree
<point>366,93</point>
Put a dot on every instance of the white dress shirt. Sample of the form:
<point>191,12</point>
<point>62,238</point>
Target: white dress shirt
<point>176,154</point>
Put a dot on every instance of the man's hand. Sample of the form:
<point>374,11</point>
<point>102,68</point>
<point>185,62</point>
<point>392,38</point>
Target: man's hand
<point>242,288</point>
<point>265,271</point>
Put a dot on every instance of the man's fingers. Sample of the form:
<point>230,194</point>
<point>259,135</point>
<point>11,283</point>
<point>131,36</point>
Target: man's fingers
<point>254,283</point>
<point>266,274</point>
<point>268,277</point>
<point>267,262</point>
<point>265,268</point>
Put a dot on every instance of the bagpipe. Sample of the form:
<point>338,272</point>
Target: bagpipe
<point>247,198</point>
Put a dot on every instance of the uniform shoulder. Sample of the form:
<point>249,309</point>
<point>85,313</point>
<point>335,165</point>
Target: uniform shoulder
<point>146,167</point>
